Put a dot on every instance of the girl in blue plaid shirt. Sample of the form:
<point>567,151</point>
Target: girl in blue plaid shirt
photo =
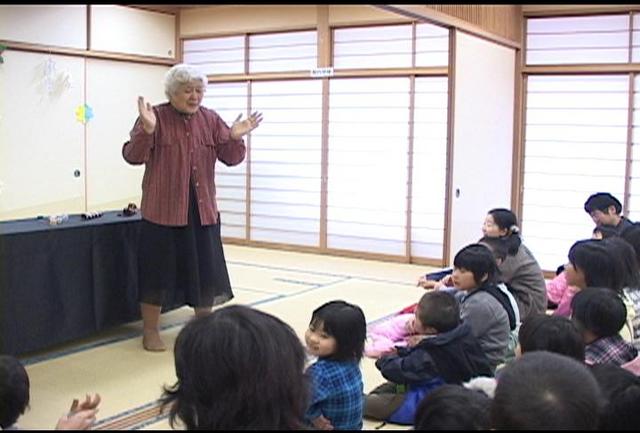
<point>336,336</point>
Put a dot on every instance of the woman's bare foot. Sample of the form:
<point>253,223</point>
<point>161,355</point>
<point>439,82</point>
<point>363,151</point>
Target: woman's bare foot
<point>152,342</point>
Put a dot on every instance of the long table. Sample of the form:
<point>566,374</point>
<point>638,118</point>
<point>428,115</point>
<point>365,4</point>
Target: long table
<point>67,281</point>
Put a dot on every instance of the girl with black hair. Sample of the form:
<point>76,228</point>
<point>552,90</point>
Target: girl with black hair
<point>336,336</point>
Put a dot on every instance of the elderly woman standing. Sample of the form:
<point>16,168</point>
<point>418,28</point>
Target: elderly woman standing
<point>180,254</point>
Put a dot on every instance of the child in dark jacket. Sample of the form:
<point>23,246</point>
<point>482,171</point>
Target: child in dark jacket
<point>444,351</point>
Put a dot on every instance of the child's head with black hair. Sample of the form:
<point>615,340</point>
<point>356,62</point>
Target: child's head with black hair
<point>474,266</point>
<point>337,331</point>
<point>545,391</point>
<point>625,260</point>
<point>604,232</point>
<point>631,234</point>
<point>14,390</point>
<point>556,334</point>
<point>453,407</point>
<point>598,312</point>
<point>592,265</point>
<point>437,312</point>
<point>621,392</point>
<point>498,247</point>
<point>238,368</point>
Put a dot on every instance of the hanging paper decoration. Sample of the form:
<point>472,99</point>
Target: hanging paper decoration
<point>53,82</point>
<point>84,113</point>
<point>49,74</point>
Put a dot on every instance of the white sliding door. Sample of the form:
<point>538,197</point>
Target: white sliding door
<point>368,156</point>
<point>483,135</point>
<point>429,167</point>
<point>286,162</point>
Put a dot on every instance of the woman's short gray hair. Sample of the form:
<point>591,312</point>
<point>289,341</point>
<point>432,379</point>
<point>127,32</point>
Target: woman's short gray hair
<point>180,74</point>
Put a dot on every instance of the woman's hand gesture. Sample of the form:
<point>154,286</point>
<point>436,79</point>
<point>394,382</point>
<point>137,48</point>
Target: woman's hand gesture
<point>147,116</point>
<point>240,128</point>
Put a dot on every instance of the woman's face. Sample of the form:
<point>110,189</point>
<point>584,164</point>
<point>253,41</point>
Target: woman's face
<point>575,276</point>
<point>188,97</point>
<point>491,229</point>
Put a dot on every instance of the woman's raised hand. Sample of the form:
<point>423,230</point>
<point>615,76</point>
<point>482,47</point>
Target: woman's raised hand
<point>240,128</point>
<point>147,116</point>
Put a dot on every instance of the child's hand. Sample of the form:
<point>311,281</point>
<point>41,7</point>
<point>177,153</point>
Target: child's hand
<point>413,340</point>
<point>410,326</point>
<point>426,284</point>
<point>387,352</point>
<point>81,416</point>
<point>88,403</point>
<point>79,420</point>
<point>322,423</point>
<point>447,281</point>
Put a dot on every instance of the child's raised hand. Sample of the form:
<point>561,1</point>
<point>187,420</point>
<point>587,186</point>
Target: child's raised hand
<point>78,420</point>
<point>87,404</point>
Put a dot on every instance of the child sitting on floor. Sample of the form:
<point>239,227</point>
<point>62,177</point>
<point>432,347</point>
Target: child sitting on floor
<point>445,352</point>
<point>600,314</point>
<point>336,336</point>
<point>384,336</point>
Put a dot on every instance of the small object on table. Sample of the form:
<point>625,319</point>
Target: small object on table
<point>130,210</point>
<point>90,215</point>
<point>58,219</point>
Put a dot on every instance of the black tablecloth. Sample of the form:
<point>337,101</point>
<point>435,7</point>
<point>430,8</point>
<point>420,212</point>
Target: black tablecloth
<point>62,282</point>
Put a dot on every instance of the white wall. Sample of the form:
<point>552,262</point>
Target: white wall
<point>483,135</point>
<point>112,91</point>
<point>41,142</point>
<point>132,31</point>
<point>55,25</point>
<point>50,161</point>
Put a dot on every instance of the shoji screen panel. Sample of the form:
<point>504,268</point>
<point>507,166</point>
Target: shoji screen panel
<point>636,39</point>
<point>214,56</point>
<point>429,167</point>
<point>229,100</point>
<point>372,47</point>
<point>286,162</point>
<point>292,51</point>
<point>432,45</point>
<point>575,145</point>
<point>588,39</point>
<point>634,189</point>
<point>367,180</point>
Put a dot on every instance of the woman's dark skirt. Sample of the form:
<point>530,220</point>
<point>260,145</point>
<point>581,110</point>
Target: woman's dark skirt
<point>183,264</point>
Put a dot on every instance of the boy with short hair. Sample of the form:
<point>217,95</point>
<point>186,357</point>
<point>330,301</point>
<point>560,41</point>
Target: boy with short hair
<point>445,352</point>
<point>606,210</point>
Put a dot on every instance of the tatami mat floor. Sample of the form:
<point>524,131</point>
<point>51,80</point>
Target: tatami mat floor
<point>286,284</point>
